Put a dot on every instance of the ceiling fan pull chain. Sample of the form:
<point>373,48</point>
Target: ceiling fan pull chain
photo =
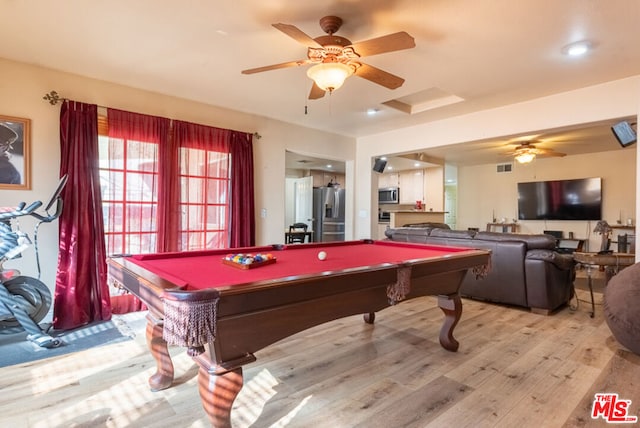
<point>330,103</point>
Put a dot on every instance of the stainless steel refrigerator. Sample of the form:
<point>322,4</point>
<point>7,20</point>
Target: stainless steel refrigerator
<point>328,214</point>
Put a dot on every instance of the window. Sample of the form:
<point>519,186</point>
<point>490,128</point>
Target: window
<point>129,178</point>
<point>204,199</point>
<point>128,182</point>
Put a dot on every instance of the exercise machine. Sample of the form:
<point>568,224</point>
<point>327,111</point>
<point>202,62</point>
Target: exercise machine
<point>24,300</point>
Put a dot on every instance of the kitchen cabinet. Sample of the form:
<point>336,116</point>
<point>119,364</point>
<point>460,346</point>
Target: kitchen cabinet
<point>417,185</point>
<point>400,218</point>
<point>323,178</point>
<point>434,188</point>
<point>318,178</point>
<point>411,185</point>
<point>389,179</point>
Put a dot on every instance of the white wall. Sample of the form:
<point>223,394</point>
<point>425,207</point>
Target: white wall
<point>595,103</point>
<point>23,87</point>
<point>483,192</point>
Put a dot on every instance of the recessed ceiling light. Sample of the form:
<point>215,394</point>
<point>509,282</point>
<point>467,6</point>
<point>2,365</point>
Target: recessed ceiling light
<point>383,157</point>
<point>577,49</point>
<point>329,166</point>
<point>372,111</point>
<point>389,167</point>
<point>416,164</point>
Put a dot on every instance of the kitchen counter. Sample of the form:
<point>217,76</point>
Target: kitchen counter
<point>382,226</point>
<point>401,217</point>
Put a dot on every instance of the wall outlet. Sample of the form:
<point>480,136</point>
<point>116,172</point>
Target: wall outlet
<point>263,213</point>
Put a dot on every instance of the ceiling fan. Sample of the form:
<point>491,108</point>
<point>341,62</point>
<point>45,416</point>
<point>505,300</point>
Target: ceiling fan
<point>526,152</point>
<point>335,58</point>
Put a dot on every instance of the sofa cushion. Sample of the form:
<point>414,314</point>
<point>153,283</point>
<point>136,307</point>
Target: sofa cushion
<point>408,234</point>
<point>448,233</point>
<point>533,241</point>
<point>430,225</point>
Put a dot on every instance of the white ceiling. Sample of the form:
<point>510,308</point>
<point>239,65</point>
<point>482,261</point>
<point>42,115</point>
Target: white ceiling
<point>487,52</point>
<point>583,139</point>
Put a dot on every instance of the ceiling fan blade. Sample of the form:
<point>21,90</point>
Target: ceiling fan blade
<point>276,66</point>
<point>316,92</point>
<point>537,151</point>
<point>550,153</point>
<point>298,35</point>
<point>388,43</point>
<point>378,76</point>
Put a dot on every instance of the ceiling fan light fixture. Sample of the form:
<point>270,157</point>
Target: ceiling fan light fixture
<point>329,76</point>
<point>525,157</point>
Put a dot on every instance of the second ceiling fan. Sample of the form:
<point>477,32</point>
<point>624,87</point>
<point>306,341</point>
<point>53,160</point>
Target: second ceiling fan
<point>526,151</point>
<point>335,58</point>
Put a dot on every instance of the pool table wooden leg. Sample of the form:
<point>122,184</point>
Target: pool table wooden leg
<point>369,318</point>
<point>163,376</point>
<point>218,392</point>
<point>452,308</point>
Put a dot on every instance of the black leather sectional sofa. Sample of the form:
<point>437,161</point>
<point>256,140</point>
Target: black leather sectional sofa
<point>525,269</point>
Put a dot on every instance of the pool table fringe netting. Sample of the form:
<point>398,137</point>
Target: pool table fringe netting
<point>190,324</point>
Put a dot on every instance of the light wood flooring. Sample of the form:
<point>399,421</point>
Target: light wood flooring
<point>513,369</point>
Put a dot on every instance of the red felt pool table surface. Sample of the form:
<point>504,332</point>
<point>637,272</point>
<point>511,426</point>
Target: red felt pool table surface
<point>204,269</point>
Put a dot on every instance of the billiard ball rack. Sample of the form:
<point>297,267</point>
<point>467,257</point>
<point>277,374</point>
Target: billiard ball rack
<point>244,266</point>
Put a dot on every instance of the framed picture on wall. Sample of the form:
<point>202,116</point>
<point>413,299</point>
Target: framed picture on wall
<point>15,173</point>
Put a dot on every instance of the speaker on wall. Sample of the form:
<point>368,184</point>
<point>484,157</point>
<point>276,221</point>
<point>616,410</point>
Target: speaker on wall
<point>379,165</point>
<point>624,133</point>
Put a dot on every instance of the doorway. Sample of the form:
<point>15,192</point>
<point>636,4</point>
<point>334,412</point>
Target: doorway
<point>305,177</point>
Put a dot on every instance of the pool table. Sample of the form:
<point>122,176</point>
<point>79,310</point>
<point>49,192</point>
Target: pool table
<point>223,314</point>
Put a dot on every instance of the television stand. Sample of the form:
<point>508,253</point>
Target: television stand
<point>502,227</point>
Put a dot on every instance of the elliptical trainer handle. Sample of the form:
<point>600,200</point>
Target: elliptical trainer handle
<point>21,211</point>
<point>31,208</point>
<point>50,217</point>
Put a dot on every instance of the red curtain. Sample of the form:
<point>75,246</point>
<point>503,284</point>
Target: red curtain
<point>239,146</point>
<point>243,223</point>
<point>81,294</point>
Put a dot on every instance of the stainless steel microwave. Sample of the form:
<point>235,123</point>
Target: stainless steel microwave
<point>389,195</point>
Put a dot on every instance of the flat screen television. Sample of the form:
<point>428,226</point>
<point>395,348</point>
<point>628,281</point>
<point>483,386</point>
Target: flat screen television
<point>624,133</point>
<point>379,165</point>
<point>578,199</point>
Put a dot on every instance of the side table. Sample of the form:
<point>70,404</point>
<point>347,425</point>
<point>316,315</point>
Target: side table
<point>612,263</point>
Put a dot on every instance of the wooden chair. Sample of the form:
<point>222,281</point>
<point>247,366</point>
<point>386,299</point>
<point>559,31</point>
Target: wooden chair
<point>297,233</point>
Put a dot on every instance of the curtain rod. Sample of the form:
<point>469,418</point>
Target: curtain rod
<point>53,98</point>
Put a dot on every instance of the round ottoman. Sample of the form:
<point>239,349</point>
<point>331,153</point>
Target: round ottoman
<point>622,307</point>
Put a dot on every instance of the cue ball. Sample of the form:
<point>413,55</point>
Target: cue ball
<point>322,255</point>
